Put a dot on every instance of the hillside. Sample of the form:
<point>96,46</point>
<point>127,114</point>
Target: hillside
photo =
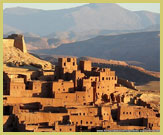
<point>137,75</point>
<point>139,49</point>
<point>132,73</point>
<point>15,58</point>
<point>54,40</point>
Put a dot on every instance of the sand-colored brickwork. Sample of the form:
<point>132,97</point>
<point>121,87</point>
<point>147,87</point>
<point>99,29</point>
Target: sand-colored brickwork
<point>75,98</point>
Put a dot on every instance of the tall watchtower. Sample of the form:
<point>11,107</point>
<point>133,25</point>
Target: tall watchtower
<point>18,42</point>
<point>68,64</point>
<point>85,65</point>
<point>65,68</point>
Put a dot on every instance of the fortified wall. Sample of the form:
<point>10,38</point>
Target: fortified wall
<point>15,40</point>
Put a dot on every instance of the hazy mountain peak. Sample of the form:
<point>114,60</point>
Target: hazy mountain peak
<point>93,16</point>
<point>95,5</point>
<point>21,10</point>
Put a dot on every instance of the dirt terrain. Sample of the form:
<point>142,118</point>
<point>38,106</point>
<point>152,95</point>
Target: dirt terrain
<point>14,57</point>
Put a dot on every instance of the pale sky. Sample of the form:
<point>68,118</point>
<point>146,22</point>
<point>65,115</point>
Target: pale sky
<point>153,7</point>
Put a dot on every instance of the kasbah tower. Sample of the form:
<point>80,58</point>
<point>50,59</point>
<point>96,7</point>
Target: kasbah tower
<point>74,97</point>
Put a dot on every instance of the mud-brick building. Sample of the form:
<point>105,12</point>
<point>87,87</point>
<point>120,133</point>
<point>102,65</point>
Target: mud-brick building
<point>73,97</point>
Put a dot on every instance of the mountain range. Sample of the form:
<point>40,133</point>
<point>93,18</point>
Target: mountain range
<point>55,27</point>
<point>99,30</point>
<point>94,16</point>
<point>140,49</point>
<point>51,28</point>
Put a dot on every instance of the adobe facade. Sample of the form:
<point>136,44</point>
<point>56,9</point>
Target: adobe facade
<point>73,98</point>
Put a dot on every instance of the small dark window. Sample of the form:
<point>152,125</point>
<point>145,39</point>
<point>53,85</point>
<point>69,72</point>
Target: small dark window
<point>68,60</point>
<point>81,121</point>
<point>60,129</point>
<point>73,63</point>
<point>90,122</point>
<point>102,78</point>
<point>83,113</point>
<point>86,122</point>
<point>64,64</point>
<point>70,129</point>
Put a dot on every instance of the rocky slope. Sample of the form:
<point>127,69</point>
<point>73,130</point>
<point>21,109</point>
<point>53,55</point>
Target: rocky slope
<point>14,57</point>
